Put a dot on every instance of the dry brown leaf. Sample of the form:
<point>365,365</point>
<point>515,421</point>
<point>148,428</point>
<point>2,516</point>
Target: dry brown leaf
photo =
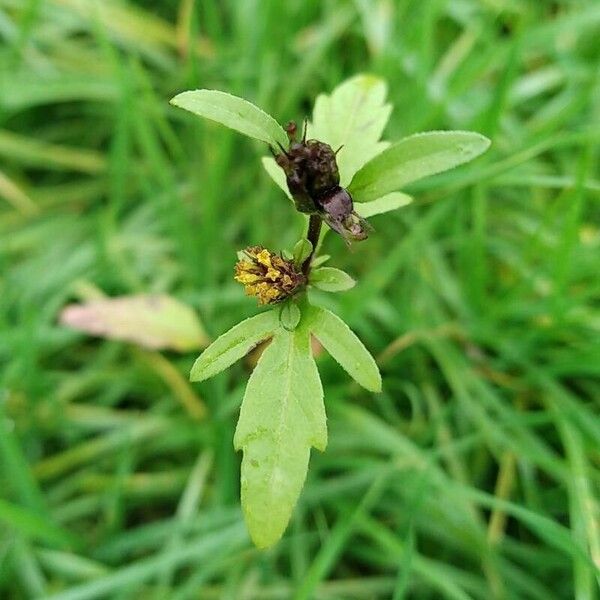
<point>151,321</point>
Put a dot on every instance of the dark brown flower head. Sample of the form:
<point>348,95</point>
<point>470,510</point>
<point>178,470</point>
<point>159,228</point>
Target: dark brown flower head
<point>310,169</point>
<point>313,179</point>
<point>268,276</point>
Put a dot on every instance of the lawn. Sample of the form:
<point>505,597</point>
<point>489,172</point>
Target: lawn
<point>475,474</point>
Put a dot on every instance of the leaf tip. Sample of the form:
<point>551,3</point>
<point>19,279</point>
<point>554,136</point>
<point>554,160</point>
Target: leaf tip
<point>198,371</point>
<point>376,385</point>
<point>265,527</point>
<point>195,377</point>
<point>485,142</point>
<point>266,510</point>
<point>176,100</point>
<point>263,535</point>
<point>371,379</point>
<point>262,541</point>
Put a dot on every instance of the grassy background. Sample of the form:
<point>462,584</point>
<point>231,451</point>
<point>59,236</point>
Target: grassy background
<point>474,475</point>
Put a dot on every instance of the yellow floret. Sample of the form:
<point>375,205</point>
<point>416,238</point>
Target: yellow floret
<point>264,258</point>
<point>268,276</point>
<point>273,274</point>
<point>246,277</point>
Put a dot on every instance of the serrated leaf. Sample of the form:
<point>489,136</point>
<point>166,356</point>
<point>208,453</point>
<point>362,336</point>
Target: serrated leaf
<point>233,112</point>
<point>302,251</point>
<point>345,347</point>
<point>330,279</point>
<point>414,158</point>
<point>354,116</point>
<point>151,321</point>
<point>234,344</point>
<point>282,416</point>
<point>289,315</point>
<point>382,205</point>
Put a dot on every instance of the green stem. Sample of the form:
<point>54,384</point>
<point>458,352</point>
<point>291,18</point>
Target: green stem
<point>314,230</point>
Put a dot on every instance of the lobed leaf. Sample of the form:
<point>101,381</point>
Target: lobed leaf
<point>414,158</point>
<point>330,279</point>
<point>345,347</point>
<point>353,117</point>
<point>233,112</point>
<point>234,344</point>
<point>282,416</point>
<point>154,322</point>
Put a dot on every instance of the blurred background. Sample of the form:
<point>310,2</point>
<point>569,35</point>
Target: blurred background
<point>474,475</point>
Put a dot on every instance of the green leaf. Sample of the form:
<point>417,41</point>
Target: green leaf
<point>320,260</point>
<point>154,322</point>
<point>353,116</point>
<point>289,315</point>
<point>343,345</point>
<point>282,416</point>
<point>413,158</point>
<point>330,279</point>
<point>276,173</point>
<point>233,112</point>
<point>384,204</point>
<point>234,344</point>
<point>302,251</point>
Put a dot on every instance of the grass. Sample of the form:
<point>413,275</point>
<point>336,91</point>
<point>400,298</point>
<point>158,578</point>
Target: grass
<point>475,474</point>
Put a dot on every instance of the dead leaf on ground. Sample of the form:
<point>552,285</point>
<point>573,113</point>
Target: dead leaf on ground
<point>151,321</point>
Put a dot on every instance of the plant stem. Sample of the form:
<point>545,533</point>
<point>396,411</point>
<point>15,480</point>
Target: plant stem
<point>314,230</point>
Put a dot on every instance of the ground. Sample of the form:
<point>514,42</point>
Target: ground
<point>474,474</point>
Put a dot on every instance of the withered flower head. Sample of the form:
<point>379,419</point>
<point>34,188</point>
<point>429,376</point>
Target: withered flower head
<point>268,276</point>
<point>311,170</point>
<point>313,180</point>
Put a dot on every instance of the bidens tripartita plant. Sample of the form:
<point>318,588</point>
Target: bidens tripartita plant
<point>337,171</point>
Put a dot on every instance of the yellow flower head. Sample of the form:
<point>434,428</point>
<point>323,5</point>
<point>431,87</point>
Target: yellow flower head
<point>268,276</point>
